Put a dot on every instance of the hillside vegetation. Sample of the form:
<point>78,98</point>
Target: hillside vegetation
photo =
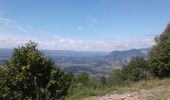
<point>143,90</point>
<point>29,75</point>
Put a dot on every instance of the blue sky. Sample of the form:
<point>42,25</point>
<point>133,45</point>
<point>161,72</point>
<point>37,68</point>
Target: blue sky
<point>93,25</point>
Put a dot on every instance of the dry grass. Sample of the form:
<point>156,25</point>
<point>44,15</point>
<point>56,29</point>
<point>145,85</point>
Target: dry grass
<point>144,90</point>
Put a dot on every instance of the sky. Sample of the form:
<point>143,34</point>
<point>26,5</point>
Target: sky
<point>86,25</point>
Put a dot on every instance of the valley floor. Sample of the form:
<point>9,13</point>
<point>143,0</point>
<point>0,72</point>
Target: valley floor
<point>145,90</point>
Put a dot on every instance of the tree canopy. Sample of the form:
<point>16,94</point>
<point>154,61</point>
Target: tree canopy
<point>159,58</point>
<point>31,75</point>
<point>136,70</point>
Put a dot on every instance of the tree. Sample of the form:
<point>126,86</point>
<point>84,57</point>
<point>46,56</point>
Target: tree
<point>159,58</point>
<point>31,75</point>
<point>136,70</point>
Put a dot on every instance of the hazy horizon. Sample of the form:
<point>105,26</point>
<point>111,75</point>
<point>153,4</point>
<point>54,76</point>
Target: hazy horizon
<point>78,50</point>
<point>83,25</point>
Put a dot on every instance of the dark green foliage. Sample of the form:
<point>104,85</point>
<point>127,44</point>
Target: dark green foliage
<point>31,75</point>
<point>159,58</point>
<point>116,77</point>
<point>103,80</point>
<point>84,80</point>
<point>59,84</point>
<point>82,85</point>
<point>136,70</point>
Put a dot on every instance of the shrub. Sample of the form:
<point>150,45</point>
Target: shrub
<point>31,75</point>
<point>136,70</point>
<point>103,81</point>
<point>116,77</point>
<point>83,80</point>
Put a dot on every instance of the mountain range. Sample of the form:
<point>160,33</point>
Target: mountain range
<point>94,63</point>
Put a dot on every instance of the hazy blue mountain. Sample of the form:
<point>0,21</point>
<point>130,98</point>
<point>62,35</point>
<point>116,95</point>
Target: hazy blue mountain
<point>4,54</point>
<point>121,58</point>
<point>94,63</point>
<point>59,53</point>
<point>71,53</point>
<point>59,56</point>
<point>129,53</point>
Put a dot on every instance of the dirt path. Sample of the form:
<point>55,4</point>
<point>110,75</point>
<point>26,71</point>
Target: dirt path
<point>155,93</point>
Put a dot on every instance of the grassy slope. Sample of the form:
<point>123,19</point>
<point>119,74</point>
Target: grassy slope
<point>159,90</point>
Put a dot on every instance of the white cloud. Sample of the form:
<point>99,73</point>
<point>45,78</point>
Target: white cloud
<point>56,42</point>
<point>7,41</point>
<point>5,19</point>
<point>11,24</point>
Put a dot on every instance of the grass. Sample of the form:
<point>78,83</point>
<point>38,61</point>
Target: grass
<point>84,93</point>
<point>163,94</point>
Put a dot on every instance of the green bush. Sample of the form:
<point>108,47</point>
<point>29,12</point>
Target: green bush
<point>31,75</point>
<point>83,80</point>
<point>116,77</point>
<point>136,70</point>
<point>103,81</point>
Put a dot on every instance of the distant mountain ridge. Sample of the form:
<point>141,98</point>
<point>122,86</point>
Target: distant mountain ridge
<point>94,63</point>
<point>56,54</point>
<point>121,58</point>
<point>63,53</point>
<point>129,53</point>
<point>72,53</point>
